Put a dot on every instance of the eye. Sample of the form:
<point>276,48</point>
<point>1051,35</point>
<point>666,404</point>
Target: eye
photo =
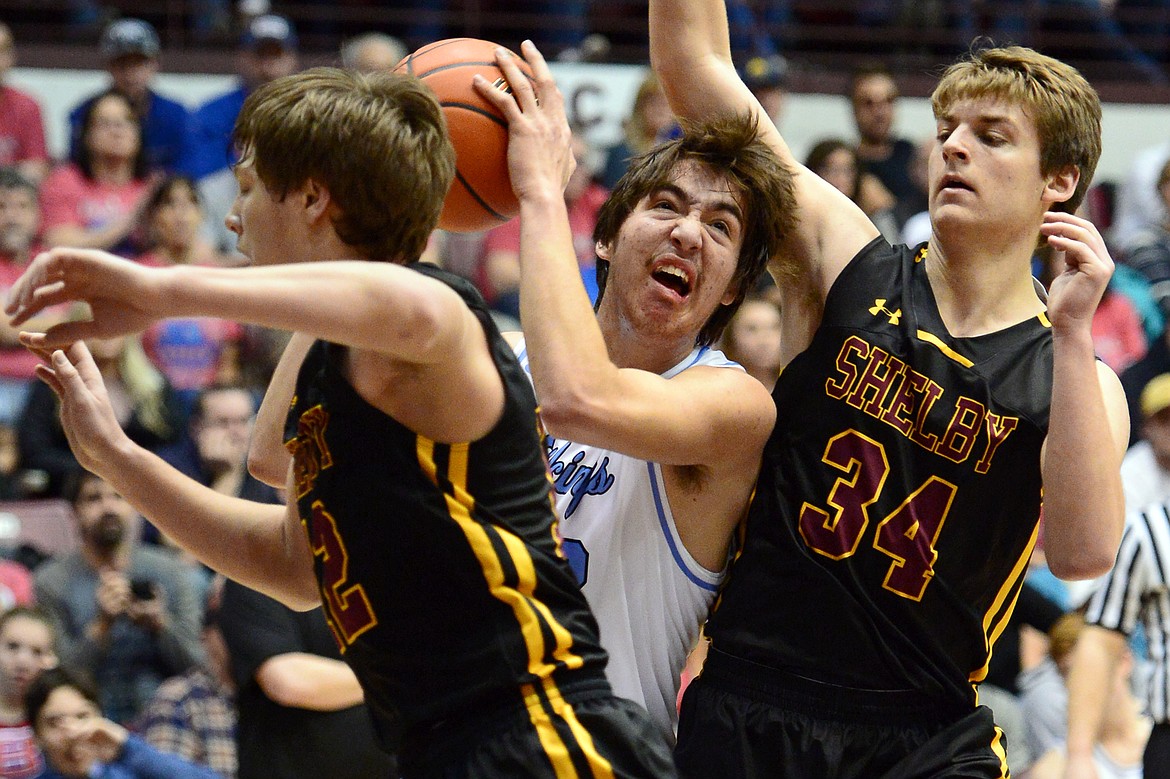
<point>663,203</point>
<point>942,135</point>
<point>722,226</point>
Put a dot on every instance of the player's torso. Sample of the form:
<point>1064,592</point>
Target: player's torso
<point>648,593</point>
<point>899,496</point>
<point>438,563</point>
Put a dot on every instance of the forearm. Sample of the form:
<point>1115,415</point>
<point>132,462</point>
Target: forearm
<point>1095,656</point>
<point>268,460</point>
<point>306,681</point>
<point>246,541</point>
<point>1084,506</point>
<point>569,360</point>
<point>380,307</point>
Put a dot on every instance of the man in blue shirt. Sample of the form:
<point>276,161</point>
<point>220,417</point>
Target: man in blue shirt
<point>268,50</point>
<point>131,48</point>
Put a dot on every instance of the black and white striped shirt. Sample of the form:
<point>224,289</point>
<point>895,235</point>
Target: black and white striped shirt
<point>1136,589</point>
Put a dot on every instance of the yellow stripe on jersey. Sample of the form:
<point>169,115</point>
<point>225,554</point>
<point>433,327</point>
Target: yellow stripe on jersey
<point>599,765</point>
<point>520,598</point>
<point>546,731</point>
<point>1044,320</point>
<point>992,634</point>
<point>1000,752</point>
<point>936,342</point>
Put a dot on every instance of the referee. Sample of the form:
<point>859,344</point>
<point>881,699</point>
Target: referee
<point>1136,590</point>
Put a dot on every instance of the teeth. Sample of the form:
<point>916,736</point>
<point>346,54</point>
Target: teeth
<point>679,272</point>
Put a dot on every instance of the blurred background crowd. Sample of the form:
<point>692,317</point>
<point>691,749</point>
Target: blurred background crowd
<point>198,677</point>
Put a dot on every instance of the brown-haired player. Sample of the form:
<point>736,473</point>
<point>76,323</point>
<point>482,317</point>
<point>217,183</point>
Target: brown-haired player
<point>930,398</point>
<point>413,462</point>
<point>654,436</point>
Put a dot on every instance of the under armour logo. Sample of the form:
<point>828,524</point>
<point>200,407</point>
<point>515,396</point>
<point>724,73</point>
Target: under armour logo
<point>879,307</point>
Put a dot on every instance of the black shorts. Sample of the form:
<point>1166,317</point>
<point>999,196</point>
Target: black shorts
<point>590,737</point>
<point>746,721</point>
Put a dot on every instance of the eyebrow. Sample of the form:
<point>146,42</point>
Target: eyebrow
<point>727,205</point>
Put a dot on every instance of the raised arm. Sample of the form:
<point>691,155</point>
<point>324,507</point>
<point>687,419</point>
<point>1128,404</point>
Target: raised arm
<point>691,53</point>
<point>1088,428</point>
<point>702,416</point>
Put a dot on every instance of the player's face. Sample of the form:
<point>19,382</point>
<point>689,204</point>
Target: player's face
<point>984,170</point>
<point>57,726</point>
<point>675,255</point>
<point>261,221</point>
<point>26,649</point>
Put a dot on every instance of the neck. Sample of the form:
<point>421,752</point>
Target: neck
<point>112,170</point>
<point>628,348</point>
<point>874,149</point>
<point>980,288</point>
<point>116,559</point>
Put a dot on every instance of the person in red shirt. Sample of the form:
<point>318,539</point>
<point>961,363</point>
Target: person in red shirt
<point>22,130</point>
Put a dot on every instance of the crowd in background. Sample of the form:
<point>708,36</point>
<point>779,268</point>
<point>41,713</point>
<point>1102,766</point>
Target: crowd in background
<point>207,679</point>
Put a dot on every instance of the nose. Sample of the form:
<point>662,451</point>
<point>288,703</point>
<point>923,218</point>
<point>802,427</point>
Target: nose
<point>687,233</point>
<point>955,144</point>
<point>233,223</point>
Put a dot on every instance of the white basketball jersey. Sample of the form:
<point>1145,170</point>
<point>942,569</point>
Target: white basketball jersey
<point>648,594</point>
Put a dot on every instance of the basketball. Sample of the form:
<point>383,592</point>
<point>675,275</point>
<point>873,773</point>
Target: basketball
<point>481,196</point>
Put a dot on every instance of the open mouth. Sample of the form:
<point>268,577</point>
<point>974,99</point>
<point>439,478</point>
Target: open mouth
<point>673,278</point>
<point>955,184</point>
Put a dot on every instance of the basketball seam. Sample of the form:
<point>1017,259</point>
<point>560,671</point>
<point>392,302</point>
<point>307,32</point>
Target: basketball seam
<point>466,64</point>
<point>483,203</point>
<point>476,109</point>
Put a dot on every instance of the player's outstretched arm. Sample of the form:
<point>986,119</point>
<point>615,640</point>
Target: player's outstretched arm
<point>260,545</point>
<point>691,53</point>
<point>1084,507</point>
<point>376,306</point>
<point>705,415</point>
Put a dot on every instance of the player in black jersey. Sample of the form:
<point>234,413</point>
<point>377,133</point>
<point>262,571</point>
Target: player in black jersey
<point>929,396</point>
<point>419,494</point>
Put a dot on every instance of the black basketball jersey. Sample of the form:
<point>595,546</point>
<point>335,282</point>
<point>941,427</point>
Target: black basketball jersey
<point>899,497</point>
<point>439,564</point>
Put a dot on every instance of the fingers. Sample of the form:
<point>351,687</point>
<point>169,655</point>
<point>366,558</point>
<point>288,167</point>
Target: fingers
<point>60,336</point>
<point>546,86</point>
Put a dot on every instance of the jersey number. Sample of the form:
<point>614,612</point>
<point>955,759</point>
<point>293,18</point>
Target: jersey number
<point>908,534</point>
<point>348,608</point>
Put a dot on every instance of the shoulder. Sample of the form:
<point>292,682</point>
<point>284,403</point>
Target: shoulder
<point>165,106</point>
<point>65,175</point>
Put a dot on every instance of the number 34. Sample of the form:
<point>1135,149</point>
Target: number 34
<point>908,534</point>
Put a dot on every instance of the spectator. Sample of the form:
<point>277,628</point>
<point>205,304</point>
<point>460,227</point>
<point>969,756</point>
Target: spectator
<point>92,201</point>
<point>22,130</point>
<point>1118,334</point>
<point>649,118</point>
<point>1123,731</point>
<point>1141,204</point>
<point>268,50</point>
<point>873,95</point>
<point>1145,471</point>
<point>131,50</point>
<point>500,267</point>
<point>143,399</point>
<point>1148,248</point>
<point>752,339</point>
<point>301,710</point>
<point>194,715</point>
<point>79,743</point>
<point>372,51</point>
<point>191,353</point>
<point>27,648</point>
<point>767,78</point>
<point>20,218</point>
<point>837,162</point>
<point>125,613</point>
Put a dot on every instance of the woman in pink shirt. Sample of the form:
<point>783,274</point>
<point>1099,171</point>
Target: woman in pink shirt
<point>92,201</point>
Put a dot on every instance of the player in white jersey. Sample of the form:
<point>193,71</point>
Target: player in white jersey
<point>648,592</point>
<point>683,237</point>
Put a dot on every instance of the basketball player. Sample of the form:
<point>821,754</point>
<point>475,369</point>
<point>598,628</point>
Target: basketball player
<point>929,396</point>
<point>654,436</point>
<point>416,467</point>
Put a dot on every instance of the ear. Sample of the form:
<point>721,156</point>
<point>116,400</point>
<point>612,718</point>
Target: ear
<point>316,200</point>
<point>732,293</point>
<point>604,251</point>
<point>1061,185</point>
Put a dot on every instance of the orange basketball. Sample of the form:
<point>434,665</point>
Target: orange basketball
<point>481,196</point>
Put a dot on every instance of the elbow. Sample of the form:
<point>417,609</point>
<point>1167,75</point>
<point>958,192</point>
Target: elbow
<point>273,471</point>
<point>1084,564</point>
<point>568,414</point>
